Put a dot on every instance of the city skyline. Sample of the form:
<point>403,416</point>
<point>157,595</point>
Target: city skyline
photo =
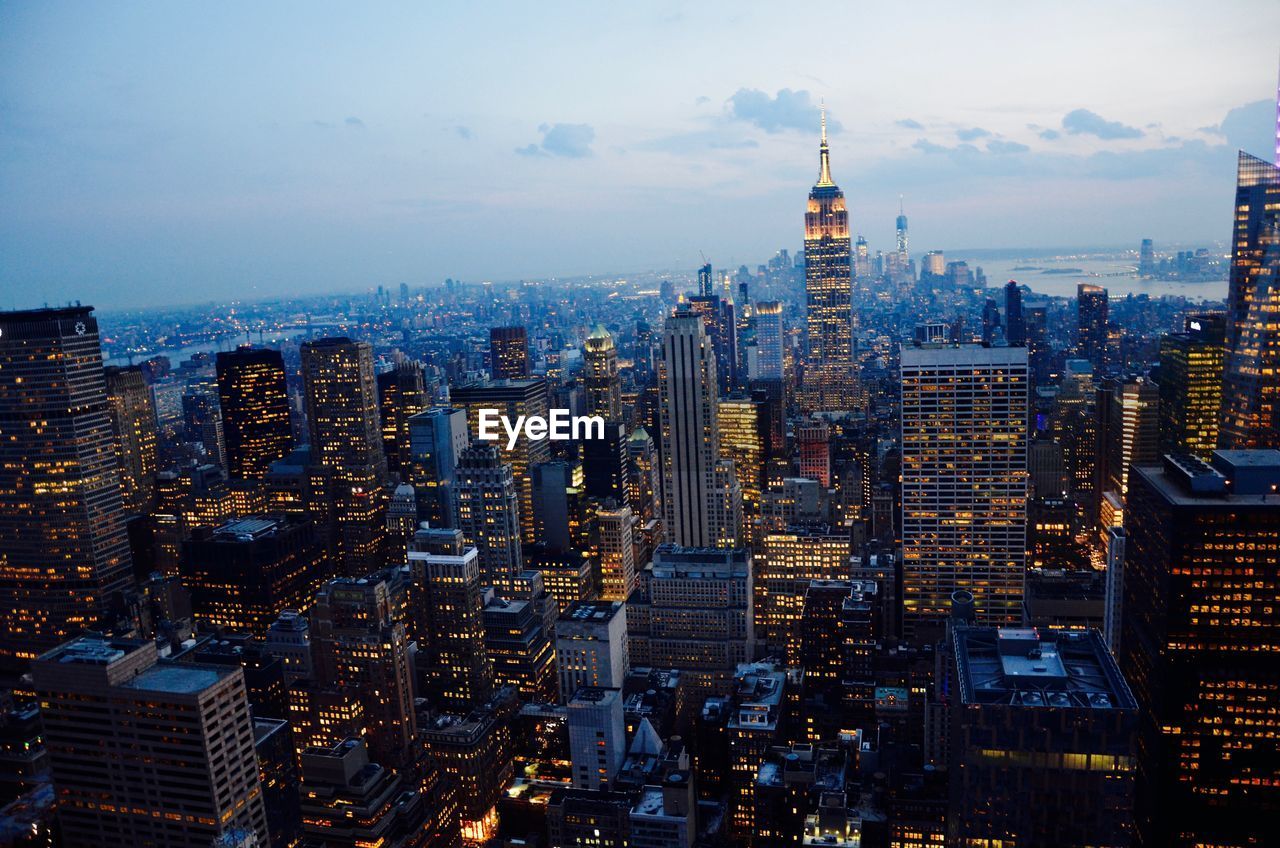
<point>311,155</point>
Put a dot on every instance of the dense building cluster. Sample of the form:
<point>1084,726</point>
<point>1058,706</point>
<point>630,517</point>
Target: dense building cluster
<point>862,553</point>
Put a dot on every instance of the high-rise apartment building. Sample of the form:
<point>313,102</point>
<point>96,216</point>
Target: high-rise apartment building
<point>255,410</point>
<point>1251,392</point>
<point>508,353</point>
<point>700,490</point>
<point>346,436</point>
<point>64,553</point>
<point>964,480</point>
<point>829,377</point>
<point>147,751</point>
<point>1198,621</point>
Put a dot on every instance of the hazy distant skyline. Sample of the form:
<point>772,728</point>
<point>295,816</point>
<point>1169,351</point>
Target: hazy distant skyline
<point>171,152</point>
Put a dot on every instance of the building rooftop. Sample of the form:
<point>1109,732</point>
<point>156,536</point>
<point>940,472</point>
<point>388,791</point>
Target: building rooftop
<point>592,612</point>
<point>1029,667</point>
<point>177,678</point>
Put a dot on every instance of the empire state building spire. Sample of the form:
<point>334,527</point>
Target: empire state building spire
<point>824,154</point>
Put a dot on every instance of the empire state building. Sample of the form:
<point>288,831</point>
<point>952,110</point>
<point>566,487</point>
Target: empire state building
<point>828,378</point>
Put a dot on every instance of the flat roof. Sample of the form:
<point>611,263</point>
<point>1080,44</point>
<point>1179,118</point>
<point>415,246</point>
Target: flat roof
<point>180,678</point>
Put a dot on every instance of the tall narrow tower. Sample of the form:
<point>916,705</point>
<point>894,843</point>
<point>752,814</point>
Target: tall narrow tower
<point>829,291</point>
<point>604,387</point>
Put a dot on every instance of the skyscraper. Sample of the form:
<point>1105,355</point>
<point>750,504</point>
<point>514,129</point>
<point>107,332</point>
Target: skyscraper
<point>698,488</point>
<point>436,440</point>
<point>718,320</point>
<point>255,410</point>
<point>401,395</point>
<point>597,741</point>
<point>447,610</point>
<point>1015,326</point>
<point>508,353</point>
<point>147,751</point>
<point>592,648</point>
<point>770,340</point>
<point>133,419</point>
<point>604,388</point>
<point>744,438</point>
<point>358,641</point>
<point>1091,324</point>
<point>617,554</point>
<point>512,398</point>
<point>1190,381</point>
<point>964,480</point>
<point>1198,622</point>
<point>829,291</point>
<point>63,549</point>
<point>1251,391</point>
<point>346,435</point>
<point>1146,259</point>
<point>487,512</point>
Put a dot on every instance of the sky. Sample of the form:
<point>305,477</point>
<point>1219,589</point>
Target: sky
<point>172,152</point>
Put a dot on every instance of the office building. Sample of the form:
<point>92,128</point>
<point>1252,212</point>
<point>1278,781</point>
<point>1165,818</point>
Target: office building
<point>244,574</point>
<point>1042,740</point>
<point>600,375</point>
<point>146,751</point>
<point>700,491</point>
<point>64,554</point>
<point>964,480</point>
<point>1190,381</point>
<point>721,328</point>
<point>1251,392</point>
<point>437,438</point>
<point>744,435</point>
<point>1015,326</point>
<point>508,353</point>
<point>401,395</point>
<point>255,410</point>
<point>1197,622</point>
<point>1091,324</point>
<point>788,561</point>
<point>616,528</point>
<point>133,420</point>
<point>592,647</point>
<point>597,741</point>
<point>695,614</point>
<point>488,512</point>
<point>520,646</point>
<point>346,436</point>
<point>828,376</point>
<point>770,341</point>
<point>513,398</point>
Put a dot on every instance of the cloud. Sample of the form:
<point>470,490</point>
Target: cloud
<point>1050,135</point>
<point>909,124</point>
<point>972,133</point>
<point>1084,122</point>
<point>1249,128</point>
<point>464,132</point>
<point>354,122</point>
<point>996,145</point>
<point>572,141</point>
<point>924,145</point>
<point>788,110</point>
<point>702,100</point>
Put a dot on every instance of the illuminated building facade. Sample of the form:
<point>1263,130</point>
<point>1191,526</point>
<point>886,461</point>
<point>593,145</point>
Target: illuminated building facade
<point>359,642</point>
<point>63,548</point>
<point>964,480</point>
<point>437,438</point>
<point>244,574</point>
<point>617,553</point>
<point>699,489</point>
<point>147,751</point>
<point>789,560</point>
<point>592,646</point>
<point>255,410</point>
<point>401,395</point>
<point>520,647</point>
<point>346,435</point>
<point>718,320</point>
<point>1199,624</point>
<point>512,398</point>
<point>1251,392</point>
<point>770,340</point>
<point>1091,324</point>
<point>603,385</point>
<point>743,424</point>
<point>508,353</point>
<point>447,609</point>
<point>133,420</point>
<point>1191,367</point>
<point>487,511</point>
<point>828,377</point>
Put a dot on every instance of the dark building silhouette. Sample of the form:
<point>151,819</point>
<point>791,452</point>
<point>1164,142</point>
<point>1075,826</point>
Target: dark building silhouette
<point>255,410</point>
<point>508,353</point>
